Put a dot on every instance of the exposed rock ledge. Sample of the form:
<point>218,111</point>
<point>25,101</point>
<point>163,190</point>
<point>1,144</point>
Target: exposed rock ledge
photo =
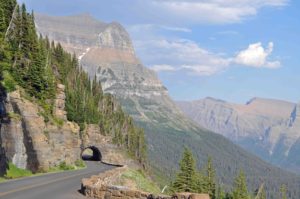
<point>102,187</point>
<point>30,142</point>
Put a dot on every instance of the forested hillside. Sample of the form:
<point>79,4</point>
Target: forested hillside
<point>36,65</point>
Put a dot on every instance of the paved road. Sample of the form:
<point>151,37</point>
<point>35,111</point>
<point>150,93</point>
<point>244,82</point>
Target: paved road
<point>63,185</point>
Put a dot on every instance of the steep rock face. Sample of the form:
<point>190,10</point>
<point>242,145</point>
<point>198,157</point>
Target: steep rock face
<point>31,143</point>
<point>60,103</point>
<point>110,57</point>
<point>268,128</point>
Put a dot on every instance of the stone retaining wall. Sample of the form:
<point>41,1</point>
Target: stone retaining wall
<point>100,187</point>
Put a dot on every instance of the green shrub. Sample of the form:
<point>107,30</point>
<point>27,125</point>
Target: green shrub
<point>45,116</point>
<point>64,166</point>
<point>15,172</point>
<point>13,115</point>
<point>8,82</point>
<point>80,163</point>
<point>59,122</point>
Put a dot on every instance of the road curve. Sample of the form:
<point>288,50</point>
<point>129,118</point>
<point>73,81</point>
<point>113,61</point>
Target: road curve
<point>64,185</point>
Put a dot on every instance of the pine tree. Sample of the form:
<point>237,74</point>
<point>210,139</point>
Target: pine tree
<point>220,193</point>
<point>186,177</point>
<point>283,192</point>
<point>201,183</point>
<point>240,187</point>
<point>8,7</point>
<point>2,23</point>
<point>142,150</point>
<point>210,174</point>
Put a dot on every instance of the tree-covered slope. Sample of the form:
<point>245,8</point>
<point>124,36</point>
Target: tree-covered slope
<point>36,65</point>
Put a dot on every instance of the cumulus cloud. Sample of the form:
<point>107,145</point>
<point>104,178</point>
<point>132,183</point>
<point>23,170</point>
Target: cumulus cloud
<point>257,56</point>
<point>188,57</point>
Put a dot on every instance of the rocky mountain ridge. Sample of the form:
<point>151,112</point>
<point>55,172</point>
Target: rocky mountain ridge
<point>109,55</point>
<point>267,128</point>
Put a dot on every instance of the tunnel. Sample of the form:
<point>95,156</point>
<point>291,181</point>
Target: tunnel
<point>91,153</point>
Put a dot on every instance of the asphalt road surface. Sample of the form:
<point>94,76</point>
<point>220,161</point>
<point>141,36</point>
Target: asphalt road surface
<point>64,185</point>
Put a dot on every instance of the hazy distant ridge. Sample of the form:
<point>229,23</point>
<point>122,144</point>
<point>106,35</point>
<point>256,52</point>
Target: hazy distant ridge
<point>268,128</point>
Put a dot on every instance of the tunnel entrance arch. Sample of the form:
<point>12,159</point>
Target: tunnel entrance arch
<point>91,153</point>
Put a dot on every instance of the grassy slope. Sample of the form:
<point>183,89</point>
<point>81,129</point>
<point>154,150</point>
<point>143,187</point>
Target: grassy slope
<point>140,181</point>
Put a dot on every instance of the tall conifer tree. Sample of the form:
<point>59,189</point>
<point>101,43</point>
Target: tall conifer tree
<point>283,192</point>
<point>240,187</point>
<point>186,177</point>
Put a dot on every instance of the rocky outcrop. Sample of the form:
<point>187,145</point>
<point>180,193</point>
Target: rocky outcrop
<point>102,187</point>
<point>59,103</point>
<point>31,143</point>
<point>268,128</point>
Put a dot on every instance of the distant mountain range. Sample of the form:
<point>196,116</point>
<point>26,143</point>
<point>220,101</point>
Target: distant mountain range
<point>268,128</point>
<point>105,51</point>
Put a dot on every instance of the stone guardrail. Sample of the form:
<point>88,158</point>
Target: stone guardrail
<point>100,187</point>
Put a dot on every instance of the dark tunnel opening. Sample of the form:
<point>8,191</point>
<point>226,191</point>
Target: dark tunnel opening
<point>91,153</point>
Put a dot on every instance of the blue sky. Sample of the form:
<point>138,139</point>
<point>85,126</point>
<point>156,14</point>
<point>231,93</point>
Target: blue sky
<point>228,49</point>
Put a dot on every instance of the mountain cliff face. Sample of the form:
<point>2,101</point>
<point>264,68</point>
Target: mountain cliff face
<point>268,128</point>
<point>105,51</point>
<point>108,54</point>
<point>29,142</point>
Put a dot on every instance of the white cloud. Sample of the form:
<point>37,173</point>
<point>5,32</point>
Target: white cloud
<point>154,27</point>
<point>181,54</point>
<point>228,33</point>
<point>257,56</point>
<point>213,11</point>
<point>188,57</point>
<point>163,67</point>
<point>202,70</point>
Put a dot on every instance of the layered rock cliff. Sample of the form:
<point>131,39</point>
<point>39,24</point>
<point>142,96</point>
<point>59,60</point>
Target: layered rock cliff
<point>268,128</point>
<point>105,51</point>
<point>31,143</point>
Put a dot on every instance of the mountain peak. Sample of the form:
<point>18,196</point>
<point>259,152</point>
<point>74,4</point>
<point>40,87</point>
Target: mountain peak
<point>116,37</point>
<point>214,99</point>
